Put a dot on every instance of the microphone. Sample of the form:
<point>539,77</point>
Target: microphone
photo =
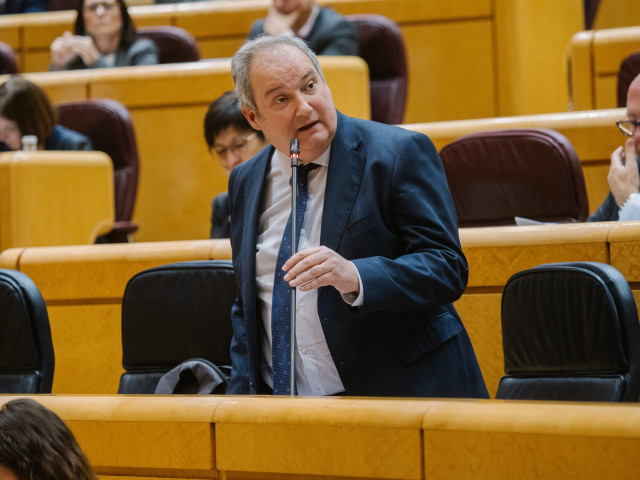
<point>294,153</point>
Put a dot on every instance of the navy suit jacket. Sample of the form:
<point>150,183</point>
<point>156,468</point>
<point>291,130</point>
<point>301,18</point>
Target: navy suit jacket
<point>331,34</point>
<point>388,209</point>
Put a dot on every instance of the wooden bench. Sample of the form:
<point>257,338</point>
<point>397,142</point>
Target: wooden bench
<point>83,287</point>
<point>54,198</point>
<point>218,437</point>
<point>178,177</point>
<point>594,61</point>
<point>467,59</point>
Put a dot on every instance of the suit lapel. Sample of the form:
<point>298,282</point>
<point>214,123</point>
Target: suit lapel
<point>346,167</point>
<point>252,211</point>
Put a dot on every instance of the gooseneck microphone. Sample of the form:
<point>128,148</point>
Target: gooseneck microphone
<point>294,153</point>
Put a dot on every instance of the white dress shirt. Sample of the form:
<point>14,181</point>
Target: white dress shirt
<point>630,210</point>
<point>316,373</point>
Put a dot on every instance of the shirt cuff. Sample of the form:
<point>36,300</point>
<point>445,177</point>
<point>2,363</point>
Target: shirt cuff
<point>630,209</point>
<point>355,299</point>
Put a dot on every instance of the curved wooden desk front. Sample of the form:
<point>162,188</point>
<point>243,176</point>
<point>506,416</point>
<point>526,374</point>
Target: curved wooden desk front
<point>243,438</point>
<point>54,198</point>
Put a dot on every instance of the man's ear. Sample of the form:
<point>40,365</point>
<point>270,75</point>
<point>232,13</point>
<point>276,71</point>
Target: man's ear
<point>251,117</point>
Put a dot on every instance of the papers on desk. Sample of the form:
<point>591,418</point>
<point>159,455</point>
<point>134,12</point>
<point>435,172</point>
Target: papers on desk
<point>528,221</point>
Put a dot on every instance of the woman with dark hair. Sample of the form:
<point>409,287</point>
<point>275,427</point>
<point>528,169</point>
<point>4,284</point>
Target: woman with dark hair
<point>35,444</point>
<point>104,37</point>
<point>26,110</point>
<point>231,140</point>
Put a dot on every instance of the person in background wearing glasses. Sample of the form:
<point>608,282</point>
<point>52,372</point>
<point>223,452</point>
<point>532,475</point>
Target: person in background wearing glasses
<point>623,201</point>
<point>231,140</point>
<point>104,37</point>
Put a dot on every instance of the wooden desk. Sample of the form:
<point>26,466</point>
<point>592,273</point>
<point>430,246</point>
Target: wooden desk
<point>467,59</point>
<point>594,62</point>
<point>54,198</point>
<point>218,437</point>
<point>85,312</point>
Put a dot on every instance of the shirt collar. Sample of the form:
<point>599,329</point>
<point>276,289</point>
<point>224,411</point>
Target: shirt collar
<point>305,29</point>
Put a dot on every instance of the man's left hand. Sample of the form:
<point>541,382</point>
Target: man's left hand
<point>318,267</point>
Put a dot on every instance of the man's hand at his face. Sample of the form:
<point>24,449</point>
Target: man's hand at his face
<point>623,175</point>
<point>278,23</point>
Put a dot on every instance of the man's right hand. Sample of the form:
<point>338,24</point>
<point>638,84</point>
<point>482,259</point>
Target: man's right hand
<point>278,23</point>
<point>623,177</point>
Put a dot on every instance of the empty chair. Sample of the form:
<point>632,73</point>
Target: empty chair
<point>174,44</point>
<point>26,355</point>
<point>108,124</point>
<point>497,175</point>
<point>629,69</point>
<point>7,59</point>
<point>381,45</point>
<point>570,332</point>
<point>174,313</point>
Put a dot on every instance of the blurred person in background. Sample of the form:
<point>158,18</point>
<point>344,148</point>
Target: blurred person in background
<point>231,140</point>
<point>35,444</point>
<point>104,36</point>
<point>25,109</point>
<point>325,31</point>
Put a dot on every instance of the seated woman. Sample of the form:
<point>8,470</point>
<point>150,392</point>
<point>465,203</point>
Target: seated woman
<point>36,444</point>
<point>26,110</point>
<point>104,37</point>
<point>232,140</point>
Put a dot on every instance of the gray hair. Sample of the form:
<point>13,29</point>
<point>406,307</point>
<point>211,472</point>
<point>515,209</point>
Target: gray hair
<point>243,58</point>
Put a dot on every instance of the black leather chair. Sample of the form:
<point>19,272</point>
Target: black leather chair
<point>629,69</point>
<point>570,332</point>
<point>495,176</point>
<point>173,313</point>
<point>174,44</point>
<point>108,124</point>
<point>27,360</point>
<point>381,45</point>
<point>7,60</point>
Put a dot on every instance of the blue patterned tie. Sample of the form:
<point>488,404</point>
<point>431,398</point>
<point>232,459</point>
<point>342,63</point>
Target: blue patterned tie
<point>281,307</point>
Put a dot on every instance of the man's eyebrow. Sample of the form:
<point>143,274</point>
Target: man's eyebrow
<point>310,73</point>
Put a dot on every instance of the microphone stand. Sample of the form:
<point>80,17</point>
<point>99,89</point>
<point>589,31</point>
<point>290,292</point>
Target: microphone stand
<point>294,152</point>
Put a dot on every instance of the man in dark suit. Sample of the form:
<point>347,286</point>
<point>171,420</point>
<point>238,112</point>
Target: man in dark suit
<point>623,201</point>
<point>325,31</point>
<point>379,260</point>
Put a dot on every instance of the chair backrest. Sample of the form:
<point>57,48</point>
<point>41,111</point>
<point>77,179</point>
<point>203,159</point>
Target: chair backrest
<point>56,5</point>
<point>7,60</point>
<point>27,360</point>
<point>173,313</point>
<point>381,45</point>
<point>174,44</point>
<point>108,124</point>
<point>496,175</point>
<point>629,69</point>
<point>570,332</point>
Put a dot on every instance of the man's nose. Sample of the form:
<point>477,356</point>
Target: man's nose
<point>302,104</point>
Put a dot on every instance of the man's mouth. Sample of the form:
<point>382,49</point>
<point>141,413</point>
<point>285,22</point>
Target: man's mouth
<point>308,126</point>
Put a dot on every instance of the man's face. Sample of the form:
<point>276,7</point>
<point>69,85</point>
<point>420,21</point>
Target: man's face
<point>633,111</point>
<point>286,7</point>
<point>291,100</point>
